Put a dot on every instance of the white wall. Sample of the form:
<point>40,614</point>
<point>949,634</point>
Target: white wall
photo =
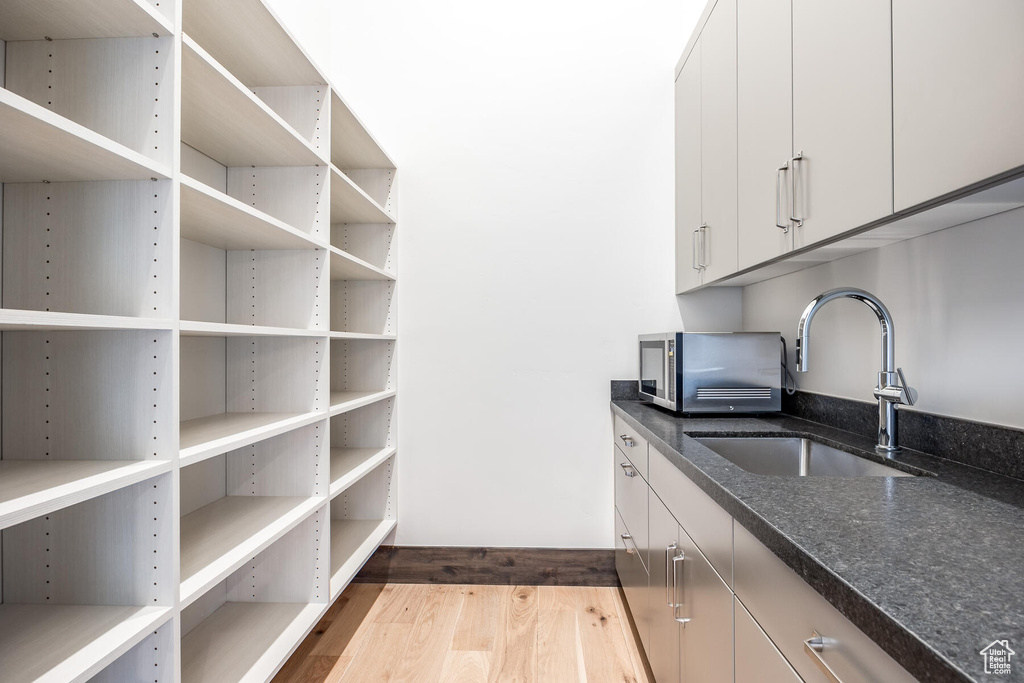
<point>957,300</point>
<point>534,144</point>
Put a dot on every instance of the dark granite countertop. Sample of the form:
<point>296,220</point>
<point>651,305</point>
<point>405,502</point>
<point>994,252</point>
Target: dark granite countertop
<point>930,567</point>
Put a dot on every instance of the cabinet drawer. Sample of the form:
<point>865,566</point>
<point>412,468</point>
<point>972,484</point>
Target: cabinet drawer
<point>789,610</point>
<point>631,499</point>
<point>757,658</point>
<point>637,452</point>
<point>703,519</point>
<point>634,579</point>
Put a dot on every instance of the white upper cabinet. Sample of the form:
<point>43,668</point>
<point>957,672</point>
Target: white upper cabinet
<point>706,153</point>
<point>718,140</point>
<point>958,68</point>
<point>842,116</point>
<point>765,127</point>
<point>688,175</point>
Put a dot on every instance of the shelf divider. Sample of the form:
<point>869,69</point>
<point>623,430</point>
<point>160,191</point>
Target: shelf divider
<point>54,20</point>
<point>349,465</point>
<point>344,401</point>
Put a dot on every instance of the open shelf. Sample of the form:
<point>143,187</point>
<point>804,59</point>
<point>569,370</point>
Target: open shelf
<point>29,488</point>
<point>218,538</point>
<point>351,204</point>
<point>66,19</point>
<point>363,335</point>
<point>41,145</point>
<point>221,221</point>
<point>352,543</point>
<point>245,641</point>
<point>193,328</point>
<point>205,437</point>
<point>344,266</point>
<point>344,401</point>
<point>70,642</point>
<point>223,119</point>
<point>352,146</point>
<point>349,465</point>
<point>83,584</point>
<point>152,658</point>
<point>50,321</point>
<point>247,38</point>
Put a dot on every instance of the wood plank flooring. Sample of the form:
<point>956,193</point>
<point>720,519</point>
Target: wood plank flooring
<point>470,634</point>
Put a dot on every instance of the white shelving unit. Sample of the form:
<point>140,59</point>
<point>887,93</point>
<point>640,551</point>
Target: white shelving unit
<point>197,341</point>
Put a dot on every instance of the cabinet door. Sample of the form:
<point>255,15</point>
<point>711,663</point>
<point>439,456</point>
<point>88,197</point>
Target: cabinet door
<point>634,579</point>
<point>757,658</point>
<point>718,139</point>
<point>958,67</point>
<point>688,180</point>
<point>706,642</point>
<point>663,653</point>
<point>765,126</point>
<point>842,115</point>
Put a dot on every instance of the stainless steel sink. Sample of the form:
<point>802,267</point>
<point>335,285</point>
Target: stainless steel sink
<point>795,457</point>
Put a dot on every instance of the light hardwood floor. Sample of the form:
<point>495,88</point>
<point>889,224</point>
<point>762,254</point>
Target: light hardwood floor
<point>490,634</point>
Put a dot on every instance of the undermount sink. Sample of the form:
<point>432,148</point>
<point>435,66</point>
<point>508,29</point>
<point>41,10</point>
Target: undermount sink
<point>795,457</point>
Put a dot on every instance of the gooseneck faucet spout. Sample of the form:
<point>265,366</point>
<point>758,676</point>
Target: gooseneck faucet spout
<point>892,389</point>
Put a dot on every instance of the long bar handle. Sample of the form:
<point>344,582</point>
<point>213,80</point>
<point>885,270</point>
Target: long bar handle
<point>703,230</point>
<point>669,554</point>
<point>693,256</point>
<point>813,646</point>
<point>678,584</point>
<point>778,198</point>
<point>794,181</point>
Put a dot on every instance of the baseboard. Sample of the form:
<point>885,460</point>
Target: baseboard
<point>494,566</point>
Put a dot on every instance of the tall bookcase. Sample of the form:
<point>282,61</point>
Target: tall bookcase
<point>197,341</point>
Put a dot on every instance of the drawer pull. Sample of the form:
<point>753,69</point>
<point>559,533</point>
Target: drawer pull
<point>814,646</point>
<point>628,469</point>
<point>626,538</point>
<point>678,586</point>
<point>627,440</point>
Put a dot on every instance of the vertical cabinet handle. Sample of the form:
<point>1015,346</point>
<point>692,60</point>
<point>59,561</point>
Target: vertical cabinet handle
<point>703,230</point>
<point>814,646</point>
<point>778,198</point>
<point>670,552</point>
<point>678,587</point>
<point>627,469</point>
<point>693,257</point>
<point>794,181</point>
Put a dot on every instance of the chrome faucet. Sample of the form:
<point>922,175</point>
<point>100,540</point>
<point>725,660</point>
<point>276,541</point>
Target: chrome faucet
<point>892,389</point>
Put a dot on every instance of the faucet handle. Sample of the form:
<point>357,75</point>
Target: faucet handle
<point>909,393</point>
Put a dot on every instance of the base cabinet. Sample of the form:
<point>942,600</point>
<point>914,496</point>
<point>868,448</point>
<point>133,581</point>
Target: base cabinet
<point>676,558</point>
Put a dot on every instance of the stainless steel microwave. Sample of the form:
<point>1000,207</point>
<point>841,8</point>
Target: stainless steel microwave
<point>704,372</point>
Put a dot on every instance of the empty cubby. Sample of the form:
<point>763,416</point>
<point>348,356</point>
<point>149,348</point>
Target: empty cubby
<point>101,248</point>
<point>244,627</point>
<point>90,580</point>
<point>121,88</point>
<point>238,390</point>
<point>236,504</point>
<point>360,369</point>
<point>362,516</point>
<point>361,440</point>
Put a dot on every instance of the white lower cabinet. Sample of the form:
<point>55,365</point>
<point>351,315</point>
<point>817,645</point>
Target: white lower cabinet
<point>663,653</point>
